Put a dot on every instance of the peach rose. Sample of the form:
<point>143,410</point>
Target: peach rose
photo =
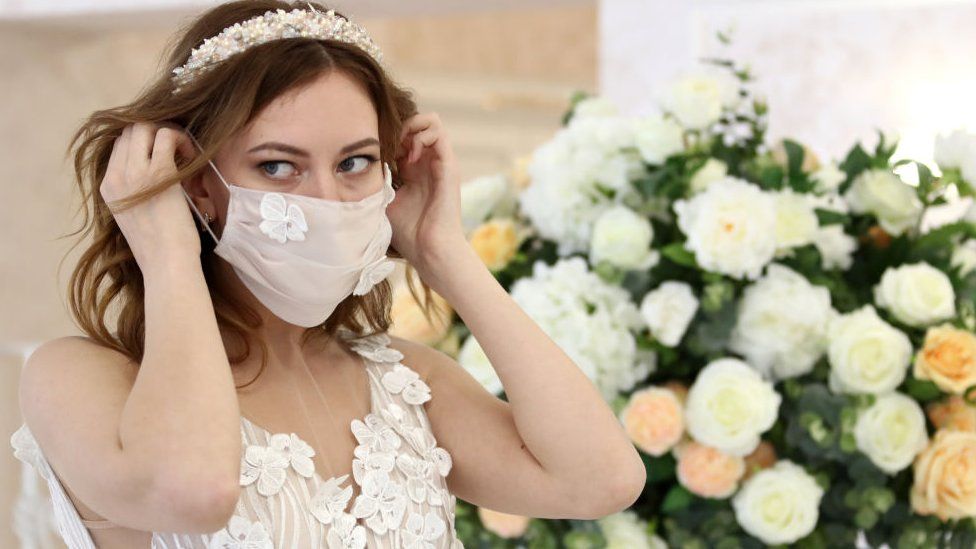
<point>762,457</point>
<point>945,476</point>
<point>495,242</point>
<point>679,389</point>
<point>409,322</point>
<point>952,412</point>
<point>503,524</point>
<point>653,419</point>
<point>707,471</point>
<point>948,358</point>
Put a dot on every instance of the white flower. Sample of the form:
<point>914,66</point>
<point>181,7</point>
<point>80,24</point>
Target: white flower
<point>836,247</point>
<point>623,238</point>
<point>891,432</point>
<point>729,405</point>
<point>330,500</point>
<point>867,355</point>
<point>698,98</point>
<point>626,530</point>
<point>375,434</point>
<point>296,451</point>
<point>955,149</point>
<point>779,504</point>
<point>382,502</point>
<point>407,381</point>
<point>668,310</point>
<point>375,347</point>
<point>731,227</point>
<point>828,177</point>
<point>829,201</point>
<point>591,320</point>
<point>481,197</point>
<point>796,222</point>
<point>964,257</point>
<point>657,138</point>
<point>266,465</point>
<point>781,325</point>
<point>595,105</point>
<point>372,274</point>
<point>241,533</point>
<point>713,170</point>
<point>473,358</point>
<point>883,194</point>
<point>281,223</point>
<point>423,530</point>
<point>346,533</point>
<point>917,294</point>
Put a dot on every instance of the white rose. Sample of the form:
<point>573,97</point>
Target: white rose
<point>891,432</point>
<point>964,257</point>
<point>657,138</point>
<point>779,504</point>
<point>729,405</point>
<point>480,197</point>
<point>623,238</point>
<point>595,106</point>
<point>828,177</point>
<point>710,172</point>
<point>782,322</point>
<point>892,201</point>
<point>731,227</point>
<point>473,359</point>
<point>836,247</point>
<point>953,150</point>
<point>867,355</point>
<point>698,98</point>
<point>668,310</point>
<point>626,530</point>
<point>917,294</point>
<point>796,222</point>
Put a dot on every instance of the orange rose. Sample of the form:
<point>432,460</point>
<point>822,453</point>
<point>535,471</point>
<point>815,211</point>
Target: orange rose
<point>495,242</point>
<point>707,471</point>
<point>945,476</point>
<point>653,419</point>
<point>503,524</point>
<point>952,412</point>
<point>948,358</point>
<point>762,457</point>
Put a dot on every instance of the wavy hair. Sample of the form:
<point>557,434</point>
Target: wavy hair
<point>212,107</point>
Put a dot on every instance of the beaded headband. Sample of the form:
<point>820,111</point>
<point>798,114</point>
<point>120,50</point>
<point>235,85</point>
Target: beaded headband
<point>272,25</point>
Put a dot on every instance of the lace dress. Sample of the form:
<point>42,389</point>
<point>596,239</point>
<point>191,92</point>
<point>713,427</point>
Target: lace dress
<point>403,501</point>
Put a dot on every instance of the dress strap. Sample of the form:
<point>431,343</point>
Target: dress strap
<point>373,347</point>
<point>98,524</point>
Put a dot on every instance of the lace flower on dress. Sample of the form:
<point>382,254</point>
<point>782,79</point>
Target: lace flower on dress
<point>298,452</point>
<point>406,380</point>
<point>374,346</point>
<point>346,534</point>
<point>281,222</point>
<point>420,485</point>
<point>382,501</point>
<point>422,530</point>
<point>241,533</point>
<point>26,449</point>
<point>330,500</point>
<point>266,465</point>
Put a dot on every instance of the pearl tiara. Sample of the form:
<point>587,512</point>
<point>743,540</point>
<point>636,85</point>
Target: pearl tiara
<point>272,25</point>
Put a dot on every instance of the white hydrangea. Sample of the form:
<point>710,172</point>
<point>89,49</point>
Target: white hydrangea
<point>866,354</point>
<point>483,196</point>
<point>782,323</point>
<point>796,222</point>
<point>964,257</point>
<point>472,358</point>
<point>623,238</point>
<point>698,98</point>
<point>891,432</point>
<point>591,320</point>
<point>836,247</point>
<point>657,138</point>
<point>892,201</point>
<point>729,405</point>
<point>626,530</point>
<point>567,173</point>
<point>731,227</point>
<point>779,504</point>
<point>917,294</point>
<point>668,310</point>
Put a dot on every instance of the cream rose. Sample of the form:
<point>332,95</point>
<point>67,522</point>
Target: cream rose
<point>626,530</point>
<point>668,310</point>
<point>948,358</point>
<point>708,472</point>
<point>729,405</point>
<point>945,476</point>
<point>780,504</point>
<point>866,354</point>
<point>483,196</point>
<point>828,177</point>
<point>891,432</point>
<point>892,201</point>
<point>653,419</point>
<point>623,238</point>
<point>731,227</point>
<point>713,170</point>
<point>964,257</point>
<point>796,222</point>
<point>917,294</point>
<point>697,98</point>
<point>657,138</point>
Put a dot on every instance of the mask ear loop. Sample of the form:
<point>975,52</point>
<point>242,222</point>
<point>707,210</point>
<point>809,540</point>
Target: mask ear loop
<point>190,201</point>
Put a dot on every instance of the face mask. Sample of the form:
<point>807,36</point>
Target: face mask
<point>301,256</point>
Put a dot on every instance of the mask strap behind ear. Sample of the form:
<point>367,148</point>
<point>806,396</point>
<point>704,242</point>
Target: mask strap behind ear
<point>203,221</point>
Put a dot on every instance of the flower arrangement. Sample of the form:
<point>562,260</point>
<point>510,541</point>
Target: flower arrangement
<point>789,350</point>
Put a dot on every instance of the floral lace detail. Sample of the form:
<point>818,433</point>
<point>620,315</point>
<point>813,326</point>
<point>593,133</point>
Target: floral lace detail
<point>372,274</point>
<point>282,222</point>
<point>27,450</point>
<point>241,533</point>
<point>266,465</point>
<point>407,381</point>
<point>330,500</point>
<point>421,440</point>
<point>347,534</point>
<point>375,347</point>
<point>422,530</point>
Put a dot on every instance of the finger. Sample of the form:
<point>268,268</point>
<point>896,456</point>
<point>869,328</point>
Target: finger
<point>116,161</point>
<point>140,146</point>
<point>416,123</point>
<point>164,148</point>
<point>421,141</point>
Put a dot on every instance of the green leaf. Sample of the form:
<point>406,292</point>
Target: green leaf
<point>830,217</point>
<point>922,390</point>
<point>677,498</point>
<point>677,253</point>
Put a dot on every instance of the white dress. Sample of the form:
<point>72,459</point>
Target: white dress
<point>400,471</point>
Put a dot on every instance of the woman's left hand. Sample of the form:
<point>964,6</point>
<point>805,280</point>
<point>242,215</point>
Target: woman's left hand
<point>426,213</point>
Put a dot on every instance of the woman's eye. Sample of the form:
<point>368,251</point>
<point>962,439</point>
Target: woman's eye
<point>277,173</point>
<point>368,160</point>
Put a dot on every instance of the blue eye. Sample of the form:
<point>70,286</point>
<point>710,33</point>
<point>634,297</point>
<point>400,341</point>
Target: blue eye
<point>275,173</point>
<point>367,157</point>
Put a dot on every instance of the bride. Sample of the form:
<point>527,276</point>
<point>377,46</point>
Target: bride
<point>235,385</point>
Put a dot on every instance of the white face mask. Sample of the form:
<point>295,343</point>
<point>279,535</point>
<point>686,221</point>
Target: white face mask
<point>301,256</point>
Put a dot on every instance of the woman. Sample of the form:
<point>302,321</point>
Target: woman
<point>288,140</point>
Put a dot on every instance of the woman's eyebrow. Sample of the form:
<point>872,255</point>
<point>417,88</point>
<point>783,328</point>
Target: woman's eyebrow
<point>284,147</point>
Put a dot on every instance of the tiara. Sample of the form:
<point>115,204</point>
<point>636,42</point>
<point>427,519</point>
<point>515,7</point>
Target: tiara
<point>272,25</point>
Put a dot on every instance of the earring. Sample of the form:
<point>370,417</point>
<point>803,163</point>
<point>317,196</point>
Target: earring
<point>206,215</point>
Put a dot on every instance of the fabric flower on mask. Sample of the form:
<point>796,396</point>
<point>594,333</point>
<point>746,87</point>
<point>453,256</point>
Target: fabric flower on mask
<point>372,274</point>
<point>282,222</point>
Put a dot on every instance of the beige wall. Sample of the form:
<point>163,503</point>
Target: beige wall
<point>499,80</point>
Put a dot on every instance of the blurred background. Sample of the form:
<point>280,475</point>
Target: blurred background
<point>500,74</point>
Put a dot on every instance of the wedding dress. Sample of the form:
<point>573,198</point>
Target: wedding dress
<point>400,470</point>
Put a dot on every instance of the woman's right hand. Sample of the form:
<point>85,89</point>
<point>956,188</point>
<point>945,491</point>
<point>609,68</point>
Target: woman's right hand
<point>162,227</point>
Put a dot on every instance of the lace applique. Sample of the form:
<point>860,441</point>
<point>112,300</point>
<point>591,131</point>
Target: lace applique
<point>423,530</point>
<point>241,533</point>
<point>373,274</point>
<point>347,534</point>
<point>281,222</point>
<point>375,347</point>
<point>421,440</point>
<point>26,449</point>
<point>407,381</point>
<point>420,479</point>
<point>330,500</point>
<point>266,465</point>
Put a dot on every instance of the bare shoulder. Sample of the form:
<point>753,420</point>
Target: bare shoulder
<point>419,357</point>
